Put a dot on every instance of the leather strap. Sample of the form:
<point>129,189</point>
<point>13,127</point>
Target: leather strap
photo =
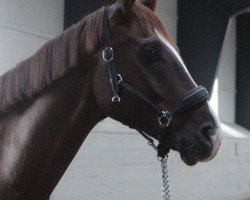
<point>108,56</point>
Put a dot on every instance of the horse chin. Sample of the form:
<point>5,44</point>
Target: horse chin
<point>189,159</point>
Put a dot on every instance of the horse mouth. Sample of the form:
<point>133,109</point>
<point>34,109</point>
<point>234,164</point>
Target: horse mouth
<point>191,156</point>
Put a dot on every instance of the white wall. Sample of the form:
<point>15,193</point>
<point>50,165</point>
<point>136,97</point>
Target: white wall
<point>25,25</point>
<point>226,75</point>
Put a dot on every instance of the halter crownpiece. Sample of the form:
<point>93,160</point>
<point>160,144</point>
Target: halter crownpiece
<point>190,99</point>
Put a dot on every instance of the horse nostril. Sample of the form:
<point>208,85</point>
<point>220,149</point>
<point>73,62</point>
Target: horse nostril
<point>207,132</point>
<point>209,136</point>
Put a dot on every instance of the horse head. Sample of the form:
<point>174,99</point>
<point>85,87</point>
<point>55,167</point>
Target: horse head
<point>146,58</point>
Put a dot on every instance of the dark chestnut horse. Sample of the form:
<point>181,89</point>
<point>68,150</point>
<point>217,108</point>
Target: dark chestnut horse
<point>51,101</point>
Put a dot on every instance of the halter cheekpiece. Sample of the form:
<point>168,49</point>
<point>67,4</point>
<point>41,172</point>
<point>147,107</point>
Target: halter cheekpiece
<point>193,97</point>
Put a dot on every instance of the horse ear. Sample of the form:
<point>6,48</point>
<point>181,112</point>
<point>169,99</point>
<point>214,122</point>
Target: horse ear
<point>126,5</point>
<point>149,3</point>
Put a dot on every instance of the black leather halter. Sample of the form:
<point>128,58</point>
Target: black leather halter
<point>195,96</point>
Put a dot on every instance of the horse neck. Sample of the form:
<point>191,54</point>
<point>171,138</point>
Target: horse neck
<point>43,137</point>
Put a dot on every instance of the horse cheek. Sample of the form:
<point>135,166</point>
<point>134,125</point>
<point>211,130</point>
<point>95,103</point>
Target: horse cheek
<point>102,90</point>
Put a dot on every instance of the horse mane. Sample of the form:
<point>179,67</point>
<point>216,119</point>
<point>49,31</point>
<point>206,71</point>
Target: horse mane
<point>51,62</point>
<point>56,58</point>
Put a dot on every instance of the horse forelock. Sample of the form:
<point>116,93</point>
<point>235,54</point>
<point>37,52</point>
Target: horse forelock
<point>51,62</point>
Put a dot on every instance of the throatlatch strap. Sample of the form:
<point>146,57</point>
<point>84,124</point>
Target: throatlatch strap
<point>143,99</point>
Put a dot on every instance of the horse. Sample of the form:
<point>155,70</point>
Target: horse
<point>51,101</point>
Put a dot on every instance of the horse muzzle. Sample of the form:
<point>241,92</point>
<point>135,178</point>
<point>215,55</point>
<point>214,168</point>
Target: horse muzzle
<point>203,148</point>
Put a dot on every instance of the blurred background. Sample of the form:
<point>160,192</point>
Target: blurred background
<point>115,162</point>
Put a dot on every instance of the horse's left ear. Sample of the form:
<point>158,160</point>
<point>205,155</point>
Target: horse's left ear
<point>149,3</point>
<point>126,5</point>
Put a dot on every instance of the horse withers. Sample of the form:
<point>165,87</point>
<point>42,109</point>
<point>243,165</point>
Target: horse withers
<point>51,101</point>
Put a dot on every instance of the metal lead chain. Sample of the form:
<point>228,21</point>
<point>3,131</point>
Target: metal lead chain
<point>164,168</point>
<point>165,181</point>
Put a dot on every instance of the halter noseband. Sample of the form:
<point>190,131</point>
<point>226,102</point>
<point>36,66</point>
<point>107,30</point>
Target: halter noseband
<point>193,97</point>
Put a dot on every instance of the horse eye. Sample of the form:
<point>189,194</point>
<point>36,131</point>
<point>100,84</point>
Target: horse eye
<point>151,54</point>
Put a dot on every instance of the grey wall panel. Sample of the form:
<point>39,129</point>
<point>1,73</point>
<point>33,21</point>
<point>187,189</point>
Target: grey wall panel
<point>77,9</point>
<point>243,71</point>
<point>201,29</point>
<point>226,76</point>
<point>232,6</point>
<point>41,18</point>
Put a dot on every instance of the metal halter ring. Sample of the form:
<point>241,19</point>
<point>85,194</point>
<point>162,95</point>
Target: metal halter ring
<point>116,99</point>
<point>119,79</point>
<point>165,119</point>
<point>108,54</point>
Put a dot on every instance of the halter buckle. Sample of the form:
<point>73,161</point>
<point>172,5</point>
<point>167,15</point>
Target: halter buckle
<point>119,79</point>
<point>108,54</point>
<point>165,119</point>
